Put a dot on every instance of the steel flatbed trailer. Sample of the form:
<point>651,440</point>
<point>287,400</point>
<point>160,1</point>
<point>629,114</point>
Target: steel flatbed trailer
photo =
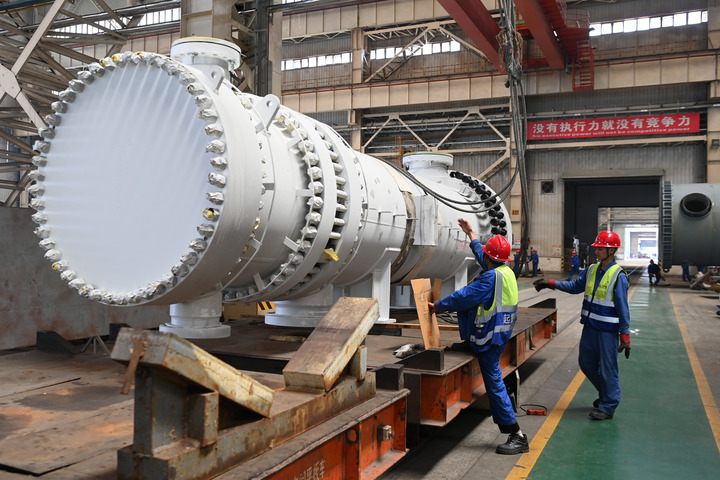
<point>181,422</point>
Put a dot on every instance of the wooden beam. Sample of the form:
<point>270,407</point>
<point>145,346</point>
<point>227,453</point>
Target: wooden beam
<point>195,364</point>
<point>321,359</point>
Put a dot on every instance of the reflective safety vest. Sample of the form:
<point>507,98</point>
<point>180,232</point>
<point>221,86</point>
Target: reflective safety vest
<point>494,326</point>
<point>599,306</point>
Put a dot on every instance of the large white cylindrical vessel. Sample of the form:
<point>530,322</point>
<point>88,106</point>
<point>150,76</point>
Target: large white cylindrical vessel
<point>159,182</point>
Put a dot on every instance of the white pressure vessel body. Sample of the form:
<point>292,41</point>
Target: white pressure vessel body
<point>159,182</point>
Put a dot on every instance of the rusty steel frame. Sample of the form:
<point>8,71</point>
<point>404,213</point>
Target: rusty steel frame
<point>183,429</point>
<point>196,416</point>
<point>361,443</point>
<point>438,394</point>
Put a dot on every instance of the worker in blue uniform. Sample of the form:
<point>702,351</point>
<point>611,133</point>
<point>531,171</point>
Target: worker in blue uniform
<point>516,267</point>
<point>605,316</point>
<point>535,261</point>
<point>685,272</point>
<point>574,265</point>
<point>487,311</point>
<point>654,272</point>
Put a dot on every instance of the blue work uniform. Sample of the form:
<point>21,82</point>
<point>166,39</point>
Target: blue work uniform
<point>575,267</point>
<point>600,336</point>
<point>686,272</point>
<point>488,330</point>
<point>535,260</point>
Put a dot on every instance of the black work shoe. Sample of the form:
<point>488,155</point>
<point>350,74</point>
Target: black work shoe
<point>515,444</point>
<point>596,403</point>
<point>596,414</point>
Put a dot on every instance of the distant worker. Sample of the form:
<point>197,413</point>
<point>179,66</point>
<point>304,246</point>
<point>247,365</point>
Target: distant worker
<point>535,260</point>
<point>516,266</point>
<point>685,272</point>
<point>575,265</point>
<point>654,272</point>
<point>605,316</point>
<point>701,269</point>
<point>576,242</point>
<point>487,311</point>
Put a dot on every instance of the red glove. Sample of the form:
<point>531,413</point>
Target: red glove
<point>542,283</point>
<point>625,345</point>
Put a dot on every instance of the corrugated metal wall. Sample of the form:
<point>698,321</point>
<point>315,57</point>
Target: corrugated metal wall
<point>665,95</point>
<point>680,164</point>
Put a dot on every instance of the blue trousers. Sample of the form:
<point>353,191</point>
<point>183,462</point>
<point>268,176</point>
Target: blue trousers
<point>535,268</point>
<point>598,360</point>
<point>574,271</point>
<point>500,406</point>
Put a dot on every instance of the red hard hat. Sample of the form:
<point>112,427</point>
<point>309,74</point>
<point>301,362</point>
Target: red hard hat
<point>498,248</point>
<point>574,252</point>
<point>607,239</point>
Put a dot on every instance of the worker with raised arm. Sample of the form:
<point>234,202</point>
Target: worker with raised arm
<point>606,319</point>
<point>487,311</point>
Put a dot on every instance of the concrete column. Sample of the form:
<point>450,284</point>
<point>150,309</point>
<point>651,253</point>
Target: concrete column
<point>359,67</point>
<point>713,24</point>
<point>713,113</point>
<point>713,149</point>
<point>359,51</point>
<point>206,18</point>
<point>355,121</point>
<point>275,53</point>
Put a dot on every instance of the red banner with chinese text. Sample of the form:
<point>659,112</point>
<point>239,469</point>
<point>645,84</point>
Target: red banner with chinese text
<point>671,123</point>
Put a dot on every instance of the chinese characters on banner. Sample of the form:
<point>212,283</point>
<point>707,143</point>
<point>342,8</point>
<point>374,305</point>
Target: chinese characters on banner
<point>664,124</point>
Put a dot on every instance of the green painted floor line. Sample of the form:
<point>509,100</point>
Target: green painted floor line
<point>660,430</point>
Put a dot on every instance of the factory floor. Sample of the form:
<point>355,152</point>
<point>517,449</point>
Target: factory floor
<point>64,418</point>
<point>667,425</point>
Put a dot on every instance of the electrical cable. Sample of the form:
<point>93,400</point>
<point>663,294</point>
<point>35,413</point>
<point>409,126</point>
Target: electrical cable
<point>447,318</point>
<point>500,194</point>
<point>539,410</point>
<point>511,54</point>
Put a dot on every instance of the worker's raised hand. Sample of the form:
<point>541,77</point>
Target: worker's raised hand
<point>431,307</point>
<point>540,284</point>
<point>466,227</point>
<point>624,345</point>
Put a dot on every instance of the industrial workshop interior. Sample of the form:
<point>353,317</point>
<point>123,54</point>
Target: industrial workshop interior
<point>520,278</point>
